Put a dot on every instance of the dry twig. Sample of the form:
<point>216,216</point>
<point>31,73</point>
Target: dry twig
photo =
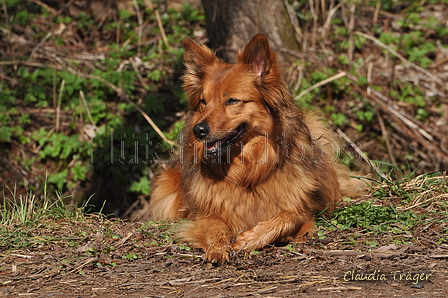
<point>326,27</point>
<point>78,268</point>
<point>405,61</point>
<point>363,156</point>
<point>411,127</point>
<point>338,289</point>
<point>321,83</point>
<point>294,21</point>
<point>140,27</point>
<point>162,30</point>
<point>58,107</point>
<point>351,27</point>
<point>44,5</point>
<point>86,107</point>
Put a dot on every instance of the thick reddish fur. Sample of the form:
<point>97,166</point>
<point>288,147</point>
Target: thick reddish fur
<point>268,186</point>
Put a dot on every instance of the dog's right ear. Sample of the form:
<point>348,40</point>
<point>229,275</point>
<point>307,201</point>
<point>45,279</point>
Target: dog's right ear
<point>197,57</point>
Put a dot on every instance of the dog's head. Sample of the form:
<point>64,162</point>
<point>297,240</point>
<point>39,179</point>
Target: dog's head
<point>232,103</point>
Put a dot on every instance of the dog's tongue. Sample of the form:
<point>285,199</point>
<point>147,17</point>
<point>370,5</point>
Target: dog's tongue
<point>212,146</point>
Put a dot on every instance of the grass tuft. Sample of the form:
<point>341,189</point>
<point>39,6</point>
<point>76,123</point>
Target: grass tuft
<point>21,215</point>
<point>397,209</point>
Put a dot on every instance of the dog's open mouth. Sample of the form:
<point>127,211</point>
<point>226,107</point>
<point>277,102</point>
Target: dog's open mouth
<point>220,146</point>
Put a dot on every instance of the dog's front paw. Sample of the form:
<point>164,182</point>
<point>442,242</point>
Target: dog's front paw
<point>218,254</point>
<point>248,240</point>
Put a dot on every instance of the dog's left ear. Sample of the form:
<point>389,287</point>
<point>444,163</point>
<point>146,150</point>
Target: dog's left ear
<point>258,55</point>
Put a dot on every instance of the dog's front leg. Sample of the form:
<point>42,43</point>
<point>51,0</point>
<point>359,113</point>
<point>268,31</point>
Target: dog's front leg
<point>212,235</point>
<point>285,225</point>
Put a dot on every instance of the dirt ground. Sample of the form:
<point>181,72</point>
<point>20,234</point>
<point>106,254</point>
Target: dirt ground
<point>119,259</point>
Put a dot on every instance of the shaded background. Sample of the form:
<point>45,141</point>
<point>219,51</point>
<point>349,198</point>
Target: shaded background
<point>78,78</point>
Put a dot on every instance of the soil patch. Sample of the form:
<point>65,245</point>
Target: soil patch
<point>120,259</point>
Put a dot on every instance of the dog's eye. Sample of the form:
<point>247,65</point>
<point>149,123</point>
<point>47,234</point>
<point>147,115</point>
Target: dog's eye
<point>232,101</point>
<point>202,101</point>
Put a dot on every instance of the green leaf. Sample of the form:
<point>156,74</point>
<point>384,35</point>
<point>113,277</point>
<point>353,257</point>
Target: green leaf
<point>143,186</point>
<point>339,119</point>
<point>5,134</point>
<point>58,179</point>
<point>79,171</point>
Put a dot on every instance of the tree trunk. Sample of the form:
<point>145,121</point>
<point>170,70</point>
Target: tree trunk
<point>231,24</point>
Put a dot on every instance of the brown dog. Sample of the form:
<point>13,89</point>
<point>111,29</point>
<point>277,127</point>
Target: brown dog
<point>253,169</point>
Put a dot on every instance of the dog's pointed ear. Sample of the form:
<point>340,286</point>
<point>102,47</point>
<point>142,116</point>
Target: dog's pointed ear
<point>197,57</point>
<point>258,55</point>
<point>263,62</point>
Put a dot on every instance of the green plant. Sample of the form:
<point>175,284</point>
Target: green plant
<point>142,186</point>
<point>376,218</point>
<point>184,247</point>
<point>131,256</point>
<point>160,233</point>
<point>80,125</point>
<point>19,214</point>
<point>399,204</point>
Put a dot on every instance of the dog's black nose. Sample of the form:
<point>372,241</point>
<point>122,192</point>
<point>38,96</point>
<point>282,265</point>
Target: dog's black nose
<point>201,130</point>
